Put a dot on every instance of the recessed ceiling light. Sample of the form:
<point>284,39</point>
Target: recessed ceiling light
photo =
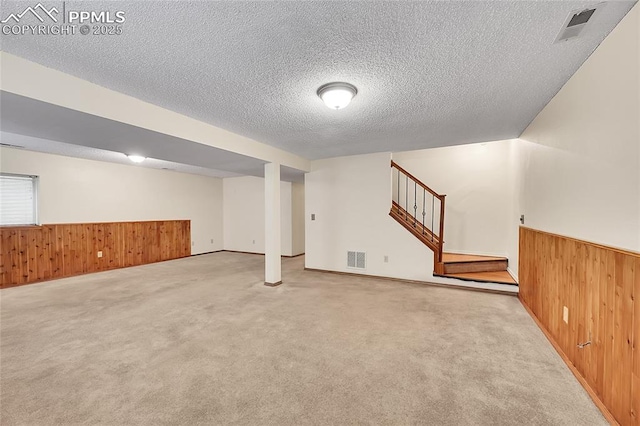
<point>337,95</point>
<point>136,158</point>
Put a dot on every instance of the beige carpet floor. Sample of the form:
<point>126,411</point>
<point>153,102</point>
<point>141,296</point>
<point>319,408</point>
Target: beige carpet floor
<point>202,341</point>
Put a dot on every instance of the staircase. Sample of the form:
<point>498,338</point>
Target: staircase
<point>421,210</point>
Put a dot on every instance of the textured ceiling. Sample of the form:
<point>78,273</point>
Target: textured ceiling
<point>428,73</point>
<point>78,134</point>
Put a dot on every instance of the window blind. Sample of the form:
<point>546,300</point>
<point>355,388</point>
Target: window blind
<point>17,200</point>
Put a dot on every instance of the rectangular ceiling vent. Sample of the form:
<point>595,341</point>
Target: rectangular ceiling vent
<point>356,259</point>
<point>576,22</point>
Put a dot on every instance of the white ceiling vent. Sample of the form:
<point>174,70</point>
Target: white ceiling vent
<point>576,22</point>
<point>356,259</point>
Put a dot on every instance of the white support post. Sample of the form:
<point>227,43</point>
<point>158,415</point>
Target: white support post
<point>272,243</point>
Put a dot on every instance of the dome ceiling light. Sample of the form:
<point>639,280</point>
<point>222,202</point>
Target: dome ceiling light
<point>136,158</point>
<point>337,95</point>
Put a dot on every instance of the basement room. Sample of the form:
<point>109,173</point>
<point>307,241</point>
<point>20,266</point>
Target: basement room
<point>320,212</point>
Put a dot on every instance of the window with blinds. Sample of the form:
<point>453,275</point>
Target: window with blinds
<point>18,204</point>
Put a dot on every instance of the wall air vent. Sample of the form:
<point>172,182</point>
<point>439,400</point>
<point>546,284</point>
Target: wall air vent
<point>576,22</point>
<point>356,259</point>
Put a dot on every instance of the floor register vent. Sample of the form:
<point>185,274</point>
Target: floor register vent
<point>356,259</point>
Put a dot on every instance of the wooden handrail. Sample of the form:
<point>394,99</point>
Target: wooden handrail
<point>416,180</point>
<point>437,248</point>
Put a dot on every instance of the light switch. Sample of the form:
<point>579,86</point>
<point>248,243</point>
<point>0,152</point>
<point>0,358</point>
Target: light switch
<point>313,216</point>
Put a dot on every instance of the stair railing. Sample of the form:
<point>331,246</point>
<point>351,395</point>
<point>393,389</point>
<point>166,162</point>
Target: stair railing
<point>408,195</point>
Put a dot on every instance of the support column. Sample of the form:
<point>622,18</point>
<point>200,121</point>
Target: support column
<point>272,243</point>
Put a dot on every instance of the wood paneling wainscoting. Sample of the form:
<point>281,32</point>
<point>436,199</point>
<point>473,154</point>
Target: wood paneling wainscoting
<point>37,253</point>
<point>598,285</point>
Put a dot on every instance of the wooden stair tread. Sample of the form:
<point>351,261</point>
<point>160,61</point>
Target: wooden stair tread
<point>500,277</point>
<point>455,258</point>
<point>453,263</point>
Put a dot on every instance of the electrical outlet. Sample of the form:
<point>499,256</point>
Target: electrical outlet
<point>565,314</point>
<point>193,243</point>
<point>212,241</point>
<point>254,241</point>
<point>313,216</point>
<point>386,259</point>
<point>99,254</point>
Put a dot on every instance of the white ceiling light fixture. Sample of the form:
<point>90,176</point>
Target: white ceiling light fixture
<point>136,158</point>
<point>337,95</point>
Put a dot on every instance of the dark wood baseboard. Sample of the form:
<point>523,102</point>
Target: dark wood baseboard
<point>603,409</point>
<point>415,282</point>
<point>242,252</point>
<point>206,252</point>
<point>295,255</point>
<point>260,254</point>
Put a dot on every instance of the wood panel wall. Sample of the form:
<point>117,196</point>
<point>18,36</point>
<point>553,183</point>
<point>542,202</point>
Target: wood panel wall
<point>599,285</point>
<point>37,253</point>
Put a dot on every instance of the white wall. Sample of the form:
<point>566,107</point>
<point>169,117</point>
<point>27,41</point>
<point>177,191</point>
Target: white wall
<point>581,155</point>
<point>73,190</point>
<point>351,198</point>
<point>244,216</point>
<point>297,218</point>
<point>285,219</point>
<point>475,179</point>
<point>515,209</point>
